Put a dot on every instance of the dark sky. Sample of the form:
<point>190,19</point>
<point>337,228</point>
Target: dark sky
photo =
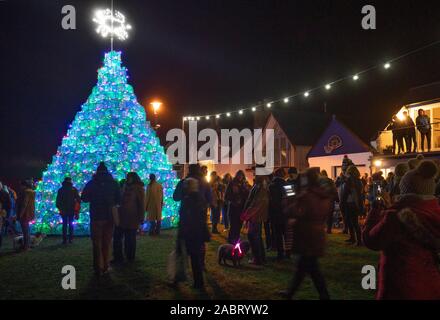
<point>206,56</point>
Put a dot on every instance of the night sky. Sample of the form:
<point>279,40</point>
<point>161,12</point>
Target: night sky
<point>206,56</point>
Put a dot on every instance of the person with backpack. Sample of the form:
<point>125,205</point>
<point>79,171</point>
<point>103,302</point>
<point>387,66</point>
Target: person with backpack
<point>68,203</point>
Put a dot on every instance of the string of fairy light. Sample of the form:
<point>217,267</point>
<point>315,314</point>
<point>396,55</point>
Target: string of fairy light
<point>270,103</point>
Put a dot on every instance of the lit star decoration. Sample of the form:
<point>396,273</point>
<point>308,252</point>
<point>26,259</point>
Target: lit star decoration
<point>111,24</point>
<point>111,127</point>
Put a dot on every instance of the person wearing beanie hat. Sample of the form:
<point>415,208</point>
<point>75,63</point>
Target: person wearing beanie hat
<point>408,236</point>
<point>413,163</point>
<point>104,195</point>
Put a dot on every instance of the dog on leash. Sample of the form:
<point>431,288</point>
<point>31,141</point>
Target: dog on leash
<point>35,240</point>
<point>233,253</point>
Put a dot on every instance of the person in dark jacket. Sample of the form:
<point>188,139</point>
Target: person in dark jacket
<point>195,196</point>
<point>276,216</point>
<point>236,195</point>
<point>131,215</point>
<point>398,135</point>
<point>257,207</point>
<point>423,123</point>
<point>408,236</point>
<point>352,203</point>
<point>67,201</point>
<point>410,133</point>
<point>310,210</point>
<point>103,194</point>
<point>26,210</point>
<point>330,187</point>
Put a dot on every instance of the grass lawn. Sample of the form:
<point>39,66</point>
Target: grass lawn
<point>37,274</point>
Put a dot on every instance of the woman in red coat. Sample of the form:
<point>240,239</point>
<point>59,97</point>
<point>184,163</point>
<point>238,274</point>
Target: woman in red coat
<point>408,236</point>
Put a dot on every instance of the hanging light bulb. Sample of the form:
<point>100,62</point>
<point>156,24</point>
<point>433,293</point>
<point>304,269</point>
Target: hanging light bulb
<point>387,65</point>
<point>254,109</point>
<point>356,77</point>
<point>198,118</point>
<point>207,117</point>
<point>228,114</point>
<point>286,100</point>
<point>240,112</point>
<point>269,105</point>
<point>328,86</point>
<point>217,116</point>
<point>306,94</point>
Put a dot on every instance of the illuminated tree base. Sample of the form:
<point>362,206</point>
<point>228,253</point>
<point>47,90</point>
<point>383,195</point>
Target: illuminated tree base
<point>110,127</point>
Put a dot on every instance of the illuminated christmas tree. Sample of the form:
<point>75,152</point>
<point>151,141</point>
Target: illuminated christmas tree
<point>110,127</point>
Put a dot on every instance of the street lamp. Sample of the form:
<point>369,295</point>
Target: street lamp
<point>156,107</point>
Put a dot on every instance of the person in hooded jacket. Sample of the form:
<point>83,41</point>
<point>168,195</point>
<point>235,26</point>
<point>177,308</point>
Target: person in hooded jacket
<point>131,215</point>
<point>67,201</point>
<point>103,194</point>
<point>310,211</point>
<point>408,236</point>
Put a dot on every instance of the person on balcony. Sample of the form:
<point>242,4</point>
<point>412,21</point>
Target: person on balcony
<point>396,128</point>
<point>424,126</point>
<point>410,133</point>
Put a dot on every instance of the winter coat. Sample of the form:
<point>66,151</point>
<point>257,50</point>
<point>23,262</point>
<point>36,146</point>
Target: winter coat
<point>408,236</point>
<point>218,193</point>
<point>103,193</point>
<point>276,197</point>
<point>236,194</point>
<point>154,201</point>
<point>195,196</point>
<point>258,203</point>
<point>310,212</point>
<point>423,124</point>
<point>132,209</point>
<point>26,205</point>
<point>352,193</point>
<point>67,196</point>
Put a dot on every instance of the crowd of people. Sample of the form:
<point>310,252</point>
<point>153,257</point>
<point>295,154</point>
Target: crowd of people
<point>288,212</point>
<point>404,132</point>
